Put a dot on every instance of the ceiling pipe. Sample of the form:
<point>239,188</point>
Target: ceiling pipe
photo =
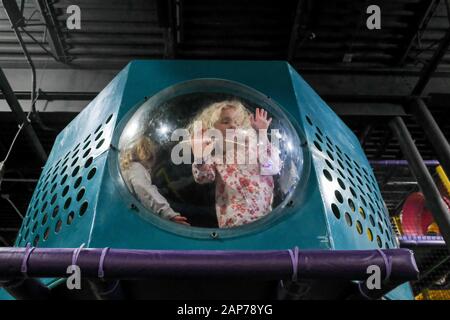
<point>430,67</point>
<point>21,117</point>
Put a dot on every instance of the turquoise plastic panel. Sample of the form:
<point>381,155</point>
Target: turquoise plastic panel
<point>61,210</point>
<point>4,295</point>
<point>356,214</point>
<point>101,212</point>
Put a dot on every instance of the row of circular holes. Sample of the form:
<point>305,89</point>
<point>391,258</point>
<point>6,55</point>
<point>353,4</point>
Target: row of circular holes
<point>351,182</point>
<point>80,194</point>
<point>339,197</point>
<point>74,161</point>
<point>63,180</point>
<point>67,204</point>
<point>68,201</point>
<point>329,143</point>
<point>361,211</point>
<point>56,210</point>
<point>367,204</point>
<point>65,190</point>
<point>358,177</point>
<point>340,163</point>
<point>352,206</point>
<point>75,150</point>
<point>74,172</point>
<point>58,225</point>
<point>54,169</point>
<point>331,146</point>
<point>358,225</point>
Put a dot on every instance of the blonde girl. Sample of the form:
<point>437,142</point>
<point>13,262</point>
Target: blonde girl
<point>136,163</point>
<point>244,192</point>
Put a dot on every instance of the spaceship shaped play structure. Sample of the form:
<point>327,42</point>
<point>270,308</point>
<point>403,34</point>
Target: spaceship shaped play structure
<point>326,200</point>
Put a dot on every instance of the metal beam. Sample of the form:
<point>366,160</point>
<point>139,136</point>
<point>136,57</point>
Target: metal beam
<point>365,134</point>
<point>336,98</point>
<point>344,105</point>
<point>48,16</point>
<point>358,88</point>
<point>366,98</point>
<point>422,23</point>
<point>367,109</point>
<point>21,118</point>
<point>293,39</point>
<point>166,19</point>
<point>179,9</point>
<point>3,241</point>
<point>381,146</point>
<point>433,132</point>
<point>9,230</point>
<point>52,96</point>
<point>18,180</point>
<point>430,67</point>
<point>433,198</point>
<point>15,14</point>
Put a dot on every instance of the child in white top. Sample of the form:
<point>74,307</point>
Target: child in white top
<point>136,164</point>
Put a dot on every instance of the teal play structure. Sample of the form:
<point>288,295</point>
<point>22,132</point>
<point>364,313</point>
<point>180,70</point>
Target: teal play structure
<point>81,197</point>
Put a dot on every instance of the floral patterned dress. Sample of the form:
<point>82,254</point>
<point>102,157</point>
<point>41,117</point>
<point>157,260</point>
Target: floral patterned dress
<point>244,192</point>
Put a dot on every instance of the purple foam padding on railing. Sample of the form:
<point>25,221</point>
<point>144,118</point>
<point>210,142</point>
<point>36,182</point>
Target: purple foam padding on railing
<point>421,241</point>
<point>136,264</point>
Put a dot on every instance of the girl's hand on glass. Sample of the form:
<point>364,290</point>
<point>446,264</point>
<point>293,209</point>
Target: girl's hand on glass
<point>180,220</point>
<point>259,121</point>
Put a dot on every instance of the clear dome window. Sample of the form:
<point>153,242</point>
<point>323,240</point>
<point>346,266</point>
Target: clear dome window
<point>173,181</point>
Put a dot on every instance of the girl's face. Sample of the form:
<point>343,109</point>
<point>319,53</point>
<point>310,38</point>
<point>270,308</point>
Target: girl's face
<point>229,119</point>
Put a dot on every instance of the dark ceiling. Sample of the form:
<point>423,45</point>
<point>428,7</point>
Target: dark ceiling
<point>312,36</point>
<point>316,37</point>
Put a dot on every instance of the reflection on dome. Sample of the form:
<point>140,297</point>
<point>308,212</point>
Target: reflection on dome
<point>206,188</point>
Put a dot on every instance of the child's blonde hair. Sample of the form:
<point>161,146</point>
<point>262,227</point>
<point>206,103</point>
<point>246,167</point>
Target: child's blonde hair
<point>144,149</point>
<point>211,114</point>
